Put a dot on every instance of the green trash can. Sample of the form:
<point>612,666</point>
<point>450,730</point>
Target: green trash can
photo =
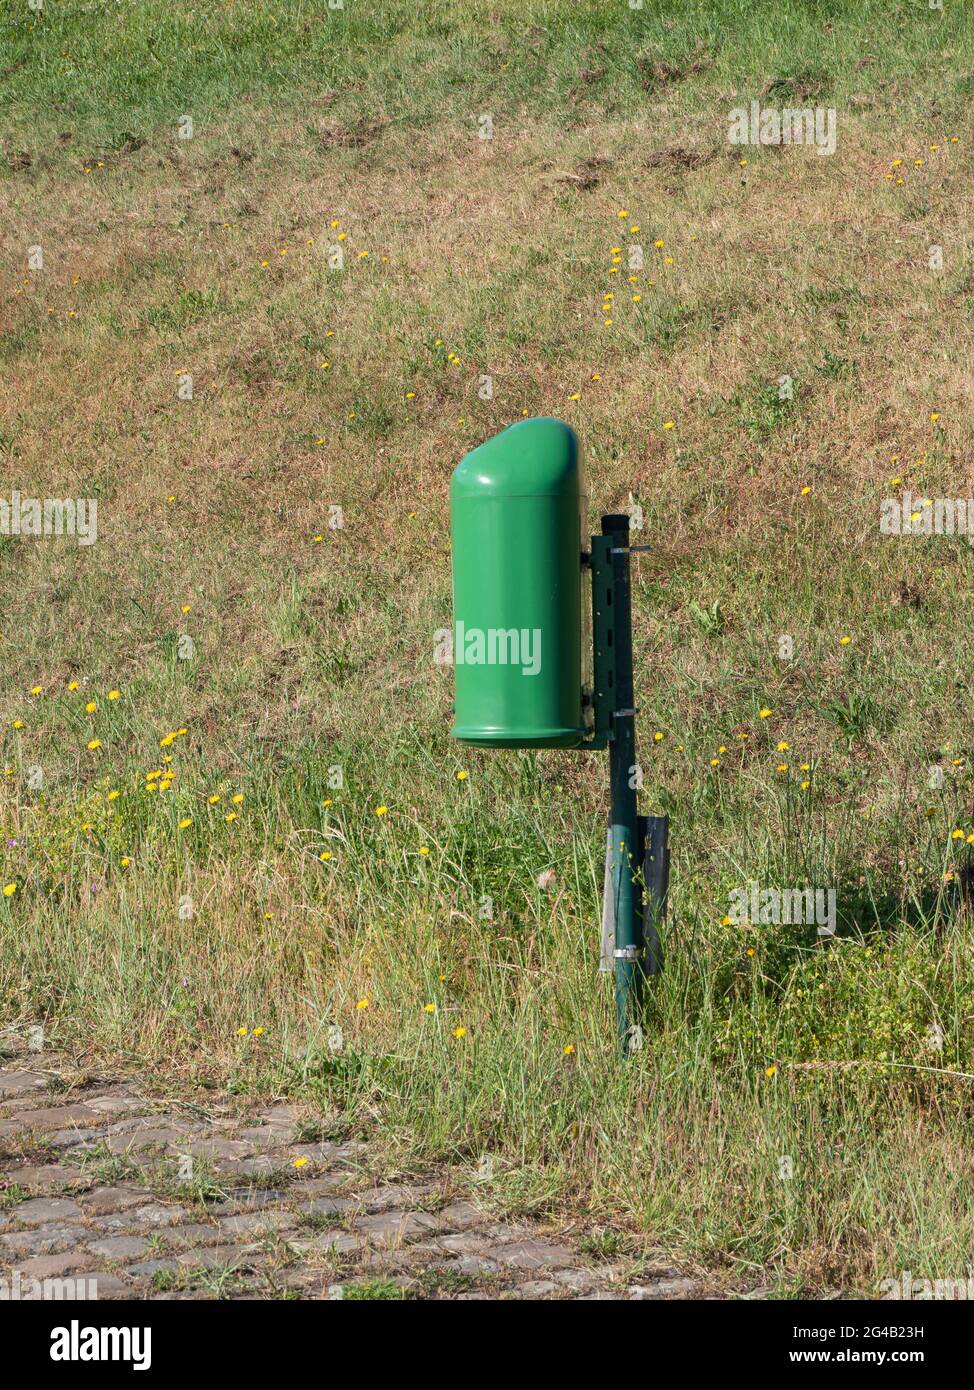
<point>518,507</point>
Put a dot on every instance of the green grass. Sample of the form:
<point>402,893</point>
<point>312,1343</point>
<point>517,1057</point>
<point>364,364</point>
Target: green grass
<point>164,945</point>
<point>373,1290</point>
<point>117,71</point>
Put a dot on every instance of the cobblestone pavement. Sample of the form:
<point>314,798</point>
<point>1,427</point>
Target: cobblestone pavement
<point>228,1198</point>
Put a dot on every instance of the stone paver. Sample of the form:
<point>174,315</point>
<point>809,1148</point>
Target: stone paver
<point>535,1254</point>
<point>217,1197</point>
<point>52,1177</point>
<point>42,1209</point>
<point>102,1201</point>
<point>119,1247</point>
<point>17,1083</point>
<point>40,1240</point>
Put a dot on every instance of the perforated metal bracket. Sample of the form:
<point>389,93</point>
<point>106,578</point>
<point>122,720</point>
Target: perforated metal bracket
<point>603,635</point>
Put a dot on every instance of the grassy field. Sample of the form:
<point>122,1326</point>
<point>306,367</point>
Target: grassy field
<point>228,798</point>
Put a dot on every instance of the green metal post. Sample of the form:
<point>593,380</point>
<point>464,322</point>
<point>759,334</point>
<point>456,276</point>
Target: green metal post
<point>624,837</point>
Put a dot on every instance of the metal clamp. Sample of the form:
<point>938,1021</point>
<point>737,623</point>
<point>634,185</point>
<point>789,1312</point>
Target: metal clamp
<point>628,952</point>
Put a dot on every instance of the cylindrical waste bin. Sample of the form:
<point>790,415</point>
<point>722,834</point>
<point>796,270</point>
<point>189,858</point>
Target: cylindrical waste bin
<point>518,508</point>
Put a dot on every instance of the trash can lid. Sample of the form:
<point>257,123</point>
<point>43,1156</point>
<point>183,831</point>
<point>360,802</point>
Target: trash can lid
<point>539,457</point>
